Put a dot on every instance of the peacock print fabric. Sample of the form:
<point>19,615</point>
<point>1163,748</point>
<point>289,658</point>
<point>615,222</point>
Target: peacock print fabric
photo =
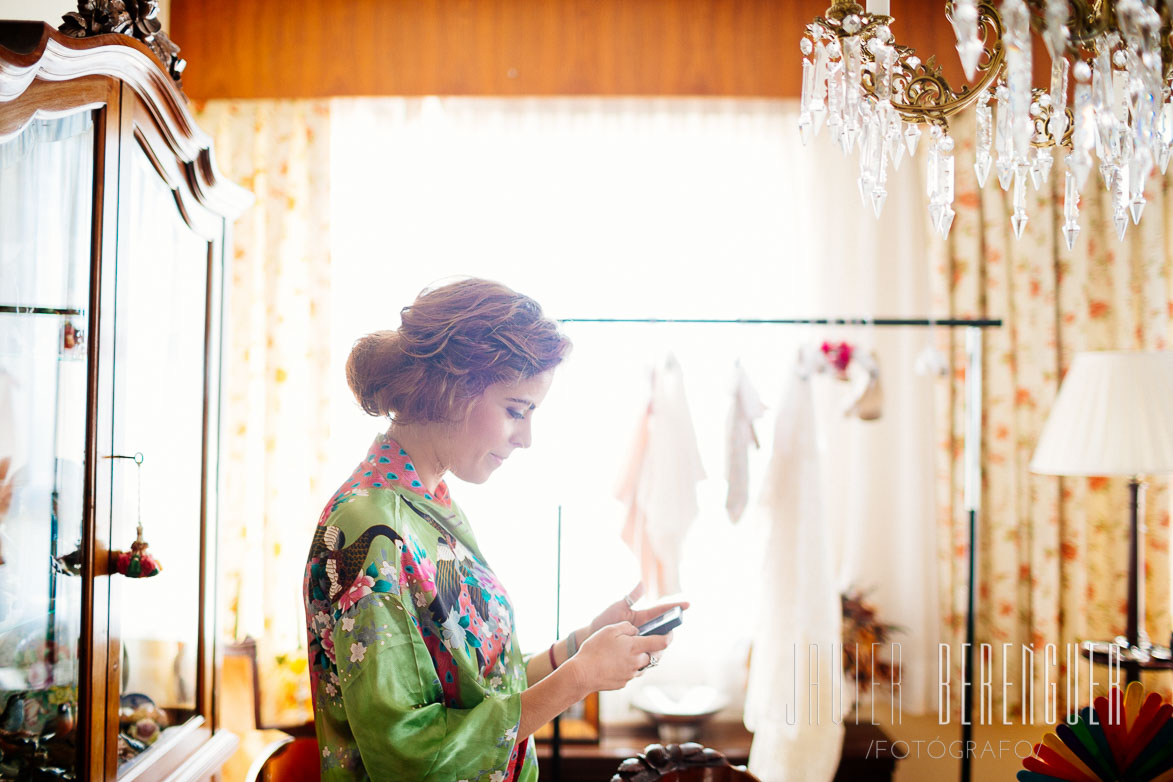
<point>415,670</point>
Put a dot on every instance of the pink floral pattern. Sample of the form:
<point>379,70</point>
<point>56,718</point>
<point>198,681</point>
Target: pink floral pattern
<point>1052,551</point>
<point>362,586</point>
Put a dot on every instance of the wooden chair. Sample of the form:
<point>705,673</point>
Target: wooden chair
<point>680,763</point>
<point>288,759</point>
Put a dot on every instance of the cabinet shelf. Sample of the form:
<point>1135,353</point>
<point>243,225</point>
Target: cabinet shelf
<point>20,309</point>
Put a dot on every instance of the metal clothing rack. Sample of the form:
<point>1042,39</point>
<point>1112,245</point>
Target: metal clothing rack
<point>973,448</point>
<point>979,323</point>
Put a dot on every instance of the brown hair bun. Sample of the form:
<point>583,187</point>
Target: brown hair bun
<point>454,342</point>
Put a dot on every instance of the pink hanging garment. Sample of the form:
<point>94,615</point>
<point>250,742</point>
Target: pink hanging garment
<point>659,484</point>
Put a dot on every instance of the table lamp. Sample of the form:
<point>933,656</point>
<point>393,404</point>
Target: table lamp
<point>1114,416</point>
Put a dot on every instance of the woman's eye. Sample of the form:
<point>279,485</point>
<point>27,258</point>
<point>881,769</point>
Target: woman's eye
<point>516,414</point>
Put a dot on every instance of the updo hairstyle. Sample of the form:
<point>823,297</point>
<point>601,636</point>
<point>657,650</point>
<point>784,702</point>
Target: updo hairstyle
<point>454,342</point>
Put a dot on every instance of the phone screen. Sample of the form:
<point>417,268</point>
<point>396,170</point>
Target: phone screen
<point>663,623</point>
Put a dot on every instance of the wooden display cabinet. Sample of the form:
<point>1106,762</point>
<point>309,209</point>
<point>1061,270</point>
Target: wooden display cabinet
<point>113,229</point>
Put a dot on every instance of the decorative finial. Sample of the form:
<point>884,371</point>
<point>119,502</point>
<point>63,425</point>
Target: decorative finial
<point>136,18</point>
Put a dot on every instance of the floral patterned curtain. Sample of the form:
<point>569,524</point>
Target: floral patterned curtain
<point>275,412</point>
<point>1052,551</point>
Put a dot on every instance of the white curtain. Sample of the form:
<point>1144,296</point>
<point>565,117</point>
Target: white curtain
<point>596,208</point>
<point>879,476</point>
<point>275,399</point>
<point>661,208</point>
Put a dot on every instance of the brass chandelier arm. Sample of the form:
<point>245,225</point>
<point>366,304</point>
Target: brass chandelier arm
<point>936,110</point>
<point>1087,22</point>
<point>872,94</point>
<point>931,99</point>
<point>925,95</point>
<point>1042,126</point>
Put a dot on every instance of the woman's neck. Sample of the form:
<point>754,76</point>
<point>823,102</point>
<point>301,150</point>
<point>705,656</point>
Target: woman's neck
<point>421,442</point>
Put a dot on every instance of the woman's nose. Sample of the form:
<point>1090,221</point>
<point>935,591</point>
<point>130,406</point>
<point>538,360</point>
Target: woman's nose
<point>522,437</point>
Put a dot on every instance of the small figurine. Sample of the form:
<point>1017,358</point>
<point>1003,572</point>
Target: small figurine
<point>69,564</point>
<point>128,747</point>
<point>136,563</point>
<point>146,731</point>
<point>59,725</point>
<point>72,338</point>
<point>12,719</point>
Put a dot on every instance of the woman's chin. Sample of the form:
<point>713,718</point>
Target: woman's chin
<point>474,476</point>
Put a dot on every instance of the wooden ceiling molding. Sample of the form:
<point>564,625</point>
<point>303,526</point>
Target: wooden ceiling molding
<point>716,48</point>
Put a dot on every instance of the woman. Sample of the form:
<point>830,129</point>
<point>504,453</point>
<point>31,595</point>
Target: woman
<point>416,671</point>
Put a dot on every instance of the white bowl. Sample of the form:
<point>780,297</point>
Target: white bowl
<point>678,712</point>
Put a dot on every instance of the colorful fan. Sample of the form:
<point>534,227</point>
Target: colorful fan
<point>1128,738</point>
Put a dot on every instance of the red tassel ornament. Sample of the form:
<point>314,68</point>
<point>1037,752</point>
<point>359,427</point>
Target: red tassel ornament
<point>136,563</point>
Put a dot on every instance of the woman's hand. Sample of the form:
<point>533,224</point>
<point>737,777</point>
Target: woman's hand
<point>614,655</point>
<point>622,611</point>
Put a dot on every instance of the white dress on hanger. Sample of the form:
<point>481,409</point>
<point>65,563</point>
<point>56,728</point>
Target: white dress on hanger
<point>659,484</point>
<point>798,730</point>
<point>745,408</point>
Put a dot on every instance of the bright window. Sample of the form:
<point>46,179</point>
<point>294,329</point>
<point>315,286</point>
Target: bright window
<point>596,208</point>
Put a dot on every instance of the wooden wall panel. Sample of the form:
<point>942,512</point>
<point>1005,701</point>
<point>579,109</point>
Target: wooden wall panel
<point>280,49</point>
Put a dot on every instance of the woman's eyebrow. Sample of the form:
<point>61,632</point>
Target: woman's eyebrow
<point>521,402</point>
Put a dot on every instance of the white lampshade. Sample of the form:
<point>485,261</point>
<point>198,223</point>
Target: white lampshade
<point>1113,416</point>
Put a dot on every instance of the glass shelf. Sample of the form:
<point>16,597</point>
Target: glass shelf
<point>18,309</point>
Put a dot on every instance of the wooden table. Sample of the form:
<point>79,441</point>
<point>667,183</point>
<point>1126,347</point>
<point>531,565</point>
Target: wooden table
<point>1099,653</point>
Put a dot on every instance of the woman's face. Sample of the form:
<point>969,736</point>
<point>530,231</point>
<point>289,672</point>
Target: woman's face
<point>497,423</point>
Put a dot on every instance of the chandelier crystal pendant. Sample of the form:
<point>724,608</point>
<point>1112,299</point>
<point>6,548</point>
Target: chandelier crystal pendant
<point>1109,95</point>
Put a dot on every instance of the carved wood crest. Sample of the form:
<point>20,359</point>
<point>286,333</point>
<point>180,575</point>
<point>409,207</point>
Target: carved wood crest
<point>136,18</point>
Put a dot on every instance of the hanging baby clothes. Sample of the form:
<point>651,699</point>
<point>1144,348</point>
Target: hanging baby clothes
<point>659,484</point>
<point>745,408</point>
<point>867,397</point>
<point>797,735</point>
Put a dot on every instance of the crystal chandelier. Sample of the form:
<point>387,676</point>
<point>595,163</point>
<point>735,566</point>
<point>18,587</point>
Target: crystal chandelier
<point>874,94</point>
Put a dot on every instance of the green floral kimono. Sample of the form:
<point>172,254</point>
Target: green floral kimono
<point>414,666</point>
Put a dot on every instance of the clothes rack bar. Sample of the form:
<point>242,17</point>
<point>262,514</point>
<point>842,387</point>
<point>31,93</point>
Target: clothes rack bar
<point>980,323</point>
<point>972,459</point>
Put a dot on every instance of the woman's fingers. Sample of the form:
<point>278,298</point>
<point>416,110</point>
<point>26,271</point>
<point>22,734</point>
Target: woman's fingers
<point>617,653</point>
<point>650,643</point>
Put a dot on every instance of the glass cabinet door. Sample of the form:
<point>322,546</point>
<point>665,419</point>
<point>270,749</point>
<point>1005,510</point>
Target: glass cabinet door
<point>158,413</point>
<point>46,206</point>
